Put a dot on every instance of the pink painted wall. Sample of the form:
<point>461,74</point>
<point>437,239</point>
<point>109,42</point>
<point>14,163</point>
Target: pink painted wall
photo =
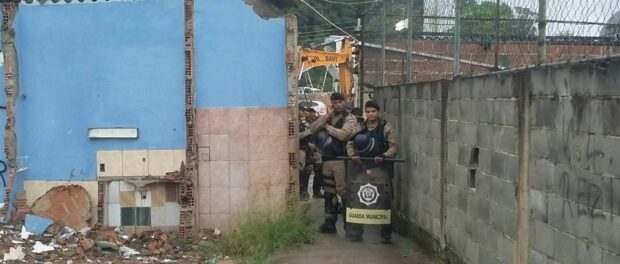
<point>243,164</point>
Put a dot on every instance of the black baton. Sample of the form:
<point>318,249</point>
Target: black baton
<point>368,158</point>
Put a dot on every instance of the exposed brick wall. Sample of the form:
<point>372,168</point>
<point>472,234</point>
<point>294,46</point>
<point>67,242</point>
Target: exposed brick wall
<point>512,55</point>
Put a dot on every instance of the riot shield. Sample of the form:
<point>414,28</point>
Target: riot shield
<point>369,192</point>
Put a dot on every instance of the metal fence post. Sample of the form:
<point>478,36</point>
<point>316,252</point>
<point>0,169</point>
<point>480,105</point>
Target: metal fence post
<point>383,40</point>
<point>410,42</point>
<point>542,31</point>
<point>457,38</point>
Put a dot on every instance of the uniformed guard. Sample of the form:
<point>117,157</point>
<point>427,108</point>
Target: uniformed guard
<point>305,155</point>
<point>331,132</point>
<point>370,187</point>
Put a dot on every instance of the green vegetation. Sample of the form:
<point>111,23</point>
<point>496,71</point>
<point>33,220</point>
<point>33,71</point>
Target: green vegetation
<point>260,237</point>
<point>478,19</point>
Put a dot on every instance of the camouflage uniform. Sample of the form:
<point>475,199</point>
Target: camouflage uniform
<point>340,126</point>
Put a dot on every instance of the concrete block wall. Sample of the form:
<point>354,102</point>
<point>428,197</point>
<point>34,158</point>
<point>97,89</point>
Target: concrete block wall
<point>574,205</point>
<point>574,197</point>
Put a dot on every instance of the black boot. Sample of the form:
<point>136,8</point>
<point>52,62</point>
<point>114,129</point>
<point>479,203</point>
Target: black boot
<point>331,214</point>
<point>386,234</point>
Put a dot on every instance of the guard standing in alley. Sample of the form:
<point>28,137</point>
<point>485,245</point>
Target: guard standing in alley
<point>331,132</point>
<point>305,152</point>
<point>369,175</point>
<point>317,163</point>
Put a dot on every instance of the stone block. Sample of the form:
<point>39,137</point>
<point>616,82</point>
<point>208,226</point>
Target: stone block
<point>484,210</point>
<point>540,82</point>
<point>511,168</point>
<point>559,79</point>
<point>509,140</point>
<point>543,238</point>
<point>536,257</point>
<point>606,231</point>
<point>477,88</point>
<point>606,155</point>
<point>587,253</point>
<point>579,148</point>
<point>484,137</point>
<point>606,75</point>
<point>490,86</point>
<point>580,109</point>
<point>581,79</point>
<point>484,160</point>
<point>460,175</point>
<point>472,205</point>
<point>509,111</point>
<point>484,111</point>
<point>471,251</point>
<point>610,194</point>
<point>538,143</point>
<point>453,131</point>
<point>497,216</point>
<point>564,247</point>
<point>598,118</point>
<point>497,164</point>
<point>542,175</point>
<point>487,257</point>
<point>506,89</point>
<point>462,200</point>
<point>610,258</point>
<point>503,192</point>
<point>450,173</point>
<point>505,247</point>
<point>453,110</point>
<point>545,111</point>
<point>469,227</point>
<point>483,184</point>
<point>559,210</point>
<point>510,224</point>
<point>538,205</point>
<point>558,147</point>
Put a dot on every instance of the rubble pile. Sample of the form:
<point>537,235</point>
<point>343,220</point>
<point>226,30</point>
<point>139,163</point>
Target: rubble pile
<point>43,240</point>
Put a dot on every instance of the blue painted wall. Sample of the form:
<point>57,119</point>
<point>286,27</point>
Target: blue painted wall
<point>121,64</point>
<point>240,58</point>
<point>114,64</point>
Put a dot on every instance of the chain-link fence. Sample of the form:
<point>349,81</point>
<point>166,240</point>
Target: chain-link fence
<point>482,36</point>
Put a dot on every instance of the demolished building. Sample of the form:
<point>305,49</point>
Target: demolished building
<point>159,113</point>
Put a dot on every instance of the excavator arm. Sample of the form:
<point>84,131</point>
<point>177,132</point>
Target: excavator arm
<point>344,58</point>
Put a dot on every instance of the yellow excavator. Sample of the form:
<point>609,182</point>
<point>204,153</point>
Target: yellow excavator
<point>343,58</point>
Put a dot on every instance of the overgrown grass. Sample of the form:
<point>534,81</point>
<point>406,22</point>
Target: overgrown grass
<point>260,237</point>
<point>408,246</point>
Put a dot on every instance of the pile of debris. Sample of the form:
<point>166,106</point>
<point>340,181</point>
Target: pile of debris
<point>40,239</point>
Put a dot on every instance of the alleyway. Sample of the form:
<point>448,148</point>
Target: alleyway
<point>336,249</point>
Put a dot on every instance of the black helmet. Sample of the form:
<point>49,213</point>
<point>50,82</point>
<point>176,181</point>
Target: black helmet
<point>363,143</point>
<point>327,144</point>
<point>321,138</point>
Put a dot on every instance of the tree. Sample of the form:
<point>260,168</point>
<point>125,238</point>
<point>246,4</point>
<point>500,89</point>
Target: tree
<point>478,20</point>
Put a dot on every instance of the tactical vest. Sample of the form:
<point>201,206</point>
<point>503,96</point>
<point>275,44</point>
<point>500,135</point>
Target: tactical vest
<point>334,146</point>
<point>379,143</point>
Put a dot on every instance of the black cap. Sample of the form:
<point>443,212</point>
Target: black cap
<point>372,104</point>
<point>336,96</point>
